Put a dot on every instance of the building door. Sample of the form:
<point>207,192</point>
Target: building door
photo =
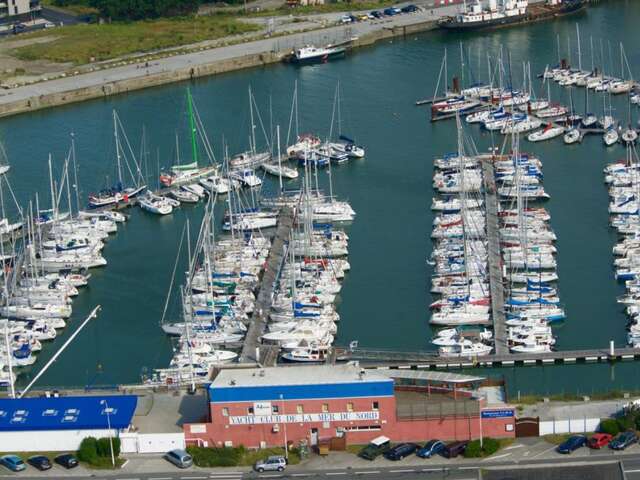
<point>528,427</point>
<point>314,437</point>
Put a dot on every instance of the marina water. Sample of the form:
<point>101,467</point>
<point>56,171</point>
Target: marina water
<point>384,300</point>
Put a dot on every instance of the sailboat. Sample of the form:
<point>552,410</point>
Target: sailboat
<point>183,174</point>
<point>119,193</point>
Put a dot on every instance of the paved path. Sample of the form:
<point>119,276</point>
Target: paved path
<point>186,61</point>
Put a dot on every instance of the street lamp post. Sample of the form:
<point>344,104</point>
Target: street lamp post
<point>284,428</point>
<point>106,409</point>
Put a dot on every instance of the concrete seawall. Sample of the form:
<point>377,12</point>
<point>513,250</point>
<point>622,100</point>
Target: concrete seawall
<point>105,88</point>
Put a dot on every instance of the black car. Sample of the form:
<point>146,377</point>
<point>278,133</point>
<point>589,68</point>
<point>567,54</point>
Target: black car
<point>376,14</point>
<point>377,446</point>
<point>400,451</point>
<point>40,462</point>
<point>454,449</point>
<point>623,440</point>
<point>19,28</point>
<point>409,9</point>
<point>572,443</point>
<point>67,460</point>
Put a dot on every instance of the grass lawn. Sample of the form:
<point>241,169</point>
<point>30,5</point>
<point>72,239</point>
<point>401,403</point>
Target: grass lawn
<point>81,44</point>
<point>326,8</point>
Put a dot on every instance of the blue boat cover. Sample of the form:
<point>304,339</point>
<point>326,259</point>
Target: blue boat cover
<point>66,413</point>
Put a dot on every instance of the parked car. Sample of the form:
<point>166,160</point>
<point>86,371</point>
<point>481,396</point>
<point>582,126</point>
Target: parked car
<point>353,18</point>
<point>454,449</point>
<point>376,14</point>
<point>599,440</point>
<point>572,443</point>
<point>624,440</point>
<point>40,462</point>
<point>396,10</point>
<point>180,458</point>
<point>66,460</point>
<point>389,11</point>
<point>50,25</point>
<point>409,9</point>
<point>19,28</point>
<point>363,17</point>
<point>431,448</point>
<point>13,463</point>
<point>400,451</point>
<point>376,447</point>
<point>345,19</point>
<point>273,463</point>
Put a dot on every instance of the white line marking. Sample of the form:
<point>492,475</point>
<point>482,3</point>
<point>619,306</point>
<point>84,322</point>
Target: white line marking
<point>544,451</point>
<point>367,472</point>
<point>300,474</point>
<point>434,469</point>
<point>160,478</point>
<point>193,478</point>
<point>406,470</point>
<point>336,473</point>
<point>631,471</point>
<point>517,445</point>
<point>467,468</point>
<point>270,476</point>
<point>496,457</point>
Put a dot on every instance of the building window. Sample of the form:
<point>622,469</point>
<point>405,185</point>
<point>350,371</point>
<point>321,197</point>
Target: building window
<point>375,406</point>
<point>299,409</point>
<point>225,412</point>
<point>250,410</point>
<point>275,409</point>
<point>350,407</point>
<point>325,408</point>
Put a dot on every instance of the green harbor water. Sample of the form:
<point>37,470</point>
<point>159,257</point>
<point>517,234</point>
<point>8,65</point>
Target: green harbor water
<point>385,296</point>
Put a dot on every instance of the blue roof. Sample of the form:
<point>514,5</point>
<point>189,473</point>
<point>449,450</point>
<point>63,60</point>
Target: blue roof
<point>67,413</point>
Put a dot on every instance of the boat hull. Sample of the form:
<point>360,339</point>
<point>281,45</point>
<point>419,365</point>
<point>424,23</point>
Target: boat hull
<point>337,53</point>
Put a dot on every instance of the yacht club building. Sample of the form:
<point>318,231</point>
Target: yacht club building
<point>266,407</point>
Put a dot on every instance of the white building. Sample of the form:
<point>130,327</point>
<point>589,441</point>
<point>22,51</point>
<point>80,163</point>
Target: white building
<point>18,10</point>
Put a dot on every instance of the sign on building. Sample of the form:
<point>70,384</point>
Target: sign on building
<point>304,418</point>
<point>504,413</point>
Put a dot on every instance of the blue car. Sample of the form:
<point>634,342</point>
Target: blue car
<point>13,462</point>
<point>431,448</point>
<point>623,440</point>
<point>572,443</point>
<point>389,11</point>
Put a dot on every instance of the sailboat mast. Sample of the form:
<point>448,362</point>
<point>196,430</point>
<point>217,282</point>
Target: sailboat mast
<point>117,140</point>
<point>579,50</point>
<point>192,127</point>
<point>253,127</point>
<point>54,209</point>
<point>279,158</point>
<point>75,171</point>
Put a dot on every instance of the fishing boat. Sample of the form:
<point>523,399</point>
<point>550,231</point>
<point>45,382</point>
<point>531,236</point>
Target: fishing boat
<point>312,54</point>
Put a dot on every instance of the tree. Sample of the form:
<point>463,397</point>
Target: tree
<point>128,10</point>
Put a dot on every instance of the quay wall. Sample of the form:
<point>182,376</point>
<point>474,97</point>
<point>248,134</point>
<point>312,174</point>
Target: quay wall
<point>53,99</point>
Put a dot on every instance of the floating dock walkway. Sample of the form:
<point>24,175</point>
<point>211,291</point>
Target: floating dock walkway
<point>431,360</point>
<point>253,351</point>
<point>494,258</point>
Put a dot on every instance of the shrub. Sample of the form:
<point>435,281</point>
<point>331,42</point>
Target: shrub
<point>88,451</point>
<point>216,457</point>
<point>626,422</point>
<point>473,450</point>
<point>103,447</point>
<point>610,426</point>
<point>490,446</point>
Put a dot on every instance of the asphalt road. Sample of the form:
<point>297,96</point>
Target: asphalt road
<point>630,462</point>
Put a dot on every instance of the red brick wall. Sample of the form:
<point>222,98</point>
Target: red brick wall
<point>218,431</point>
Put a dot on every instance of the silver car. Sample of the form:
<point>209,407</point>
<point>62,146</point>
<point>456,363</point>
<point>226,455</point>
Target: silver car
<point>277,463</point>
<point>179,458</point>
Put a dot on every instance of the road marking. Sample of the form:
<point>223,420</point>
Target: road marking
<point>160,478</point>
<point>270,476</point>
<point>367,472</point>
<point>497,456</point>
<point>467,468</point>
<point>631,471</point>
<point>517,445</point>
<point>434,469</point>
<point>406,470</point>
<point>543,452</point>
<point>299,474</point>
<point>193,478</point>
<point>336,473</point>
<point>225,473</point>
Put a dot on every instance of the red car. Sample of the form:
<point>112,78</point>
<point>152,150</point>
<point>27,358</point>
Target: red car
<point>599,440</point>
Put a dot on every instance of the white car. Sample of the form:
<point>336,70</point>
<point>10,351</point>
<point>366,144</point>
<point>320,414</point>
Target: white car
<point>345,19</point>
<point>274,463</point>
<point>49,25</point>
